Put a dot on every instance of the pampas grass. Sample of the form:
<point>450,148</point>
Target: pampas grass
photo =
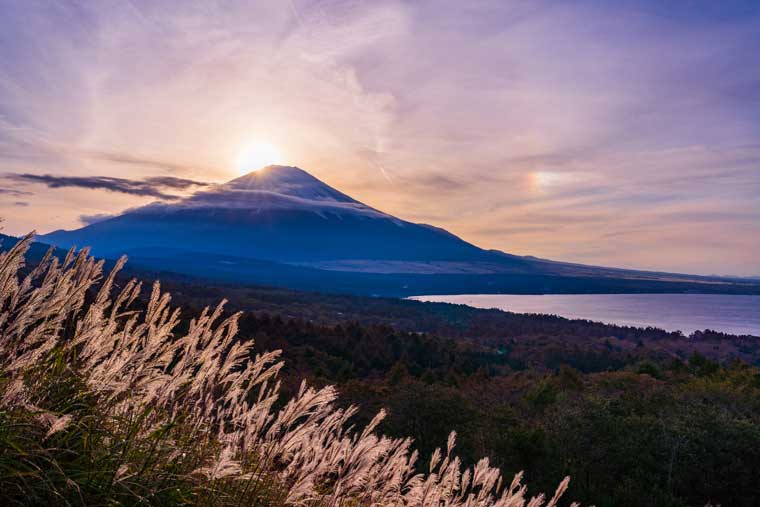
<point>103,404</point>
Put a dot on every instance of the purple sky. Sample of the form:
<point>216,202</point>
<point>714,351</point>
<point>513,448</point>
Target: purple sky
<point>616,133</point>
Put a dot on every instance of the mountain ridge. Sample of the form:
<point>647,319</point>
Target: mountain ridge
<point>279,213</point>
<point>286,217</point>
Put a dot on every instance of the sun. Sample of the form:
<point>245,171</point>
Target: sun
<point>257,155</point>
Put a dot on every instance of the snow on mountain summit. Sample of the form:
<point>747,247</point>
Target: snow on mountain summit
<point>273,187</point>
<point>286,180</point>
<point>278,213</point>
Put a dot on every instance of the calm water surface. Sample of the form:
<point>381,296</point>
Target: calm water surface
<point>673,312</point>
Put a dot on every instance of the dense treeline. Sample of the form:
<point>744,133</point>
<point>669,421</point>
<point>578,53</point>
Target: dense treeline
<point>534,337</point>
<point>638,416</point>
<point>632,425</point>
<point>624,436</point>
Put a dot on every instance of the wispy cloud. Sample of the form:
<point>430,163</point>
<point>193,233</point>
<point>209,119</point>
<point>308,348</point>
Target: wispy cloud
<point>127,159</point>
<point>14,192</point>
<point>148,187</point>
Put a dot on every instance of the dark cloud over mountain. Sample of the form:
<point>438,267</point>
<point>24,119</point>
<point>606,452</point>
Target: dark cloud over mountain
<point>14,192</point>
<point>148,187</point>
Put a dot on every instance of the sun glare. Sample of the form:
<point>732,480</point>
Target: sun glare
<point>257,155</point>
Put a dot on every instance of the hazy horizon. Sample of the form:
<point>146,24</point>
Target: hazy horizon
<point>621,135</point>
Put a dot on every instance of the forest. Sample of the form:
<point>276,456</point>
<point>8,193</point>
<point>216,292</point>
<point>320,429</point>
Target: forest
<point>633,416</point>
<point>630,427</point>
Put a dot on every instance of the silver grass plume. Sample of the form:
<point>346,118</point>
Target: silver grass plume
<point>136,364</point>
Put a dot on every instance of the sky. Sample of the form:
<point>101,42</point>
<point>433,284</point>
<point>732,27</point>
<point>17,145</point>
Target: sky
<point>612,133</point>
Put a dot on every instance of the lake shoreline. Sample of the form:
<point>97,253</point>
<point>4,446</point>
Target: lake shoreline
<point>726,313</point>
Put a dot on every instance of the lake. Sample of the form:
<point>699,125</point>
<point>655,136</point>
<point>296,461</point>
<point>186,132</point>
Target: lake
<point>672,312</point>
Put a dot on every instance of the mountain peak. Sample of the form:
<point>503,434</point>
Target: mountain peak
<point>274,172</point>
<point>288,181</point>
<point>278,213</point>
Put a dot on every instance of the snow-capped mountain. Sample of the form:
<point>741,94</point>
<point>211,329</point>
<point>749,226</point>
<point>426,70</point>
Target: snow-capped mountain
<point>278,187</point>
<point>282,226</point>
<point>278,213</point>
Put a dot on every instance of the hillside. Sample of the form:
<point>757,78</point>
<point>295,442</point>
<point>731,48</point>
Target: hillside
<point>670,413</point>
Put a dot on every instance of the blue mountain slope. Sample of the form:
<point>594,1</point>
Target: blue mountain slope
<point>281,214</point>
